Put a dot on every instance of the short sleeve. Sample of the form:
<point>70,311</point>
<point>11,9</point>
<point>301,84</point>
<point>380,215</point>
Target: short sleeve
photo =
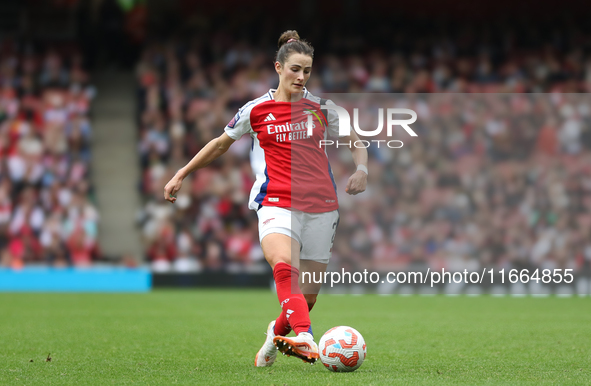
<point>240,124</point>
<point>333,121</point>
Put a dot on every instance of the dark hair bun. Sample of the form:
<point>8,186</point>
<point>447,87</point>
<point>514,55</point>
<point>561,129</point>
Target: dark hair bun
<point>296,45</point>
<point>286,36</point>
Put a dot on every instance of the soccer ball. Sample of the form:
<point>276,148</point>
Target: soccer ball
<point>342,349</point>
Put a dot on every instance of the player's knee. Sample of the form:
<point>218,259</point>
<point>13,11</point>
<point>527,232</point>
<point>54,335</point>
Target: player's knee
<point>275,258</point>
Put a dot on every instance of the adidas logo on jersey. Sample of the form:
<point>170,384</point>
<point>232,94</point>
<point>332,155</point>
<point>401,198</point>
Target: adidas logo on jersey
<point>270,117</point>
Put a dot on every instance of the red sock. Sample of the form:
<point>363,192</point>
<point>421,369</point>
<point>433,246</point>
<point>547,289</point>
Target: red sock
<point>282,326</point>
<point>293,303</point>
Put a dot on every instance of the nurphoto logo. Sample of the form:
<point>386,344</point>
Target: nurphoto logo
<point>391,121</point>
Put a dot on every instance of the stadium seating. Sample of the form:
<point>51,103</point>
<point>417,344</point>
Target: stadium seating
<point>470,199</point>
<point>47,214</point>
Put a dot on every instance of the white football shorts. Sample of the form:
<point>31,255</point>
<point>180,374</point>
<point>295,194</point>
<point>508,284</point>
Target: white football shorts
<point>314,232</point>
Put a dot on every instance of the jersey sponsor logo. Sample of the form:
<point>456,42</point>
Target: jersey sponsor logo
<point>298,126</point>
<point>234,120</point>
<point>270,117</point>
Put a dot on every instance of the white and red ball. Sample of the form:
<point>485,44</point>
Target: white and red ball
<point>342,349</point>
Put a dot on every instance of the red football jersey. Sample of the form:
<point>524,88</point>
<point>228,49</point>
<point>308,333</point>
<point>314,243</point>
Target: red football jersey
<point>292,169</point>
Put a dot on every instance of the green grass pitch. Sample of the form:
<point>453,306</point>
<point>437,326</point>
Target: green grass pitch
<point>210,337</point>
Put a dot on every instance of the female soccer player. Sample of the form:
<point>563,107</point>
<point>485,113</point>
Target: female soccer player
<point>294,193</point>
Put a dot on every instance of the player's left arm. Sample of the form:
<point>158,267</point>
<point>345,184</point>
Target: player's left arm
<point>358,181</point>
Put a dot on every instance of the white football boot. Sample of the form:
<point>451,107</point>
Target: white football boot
<point>267,354</point>
<point>301,346</point>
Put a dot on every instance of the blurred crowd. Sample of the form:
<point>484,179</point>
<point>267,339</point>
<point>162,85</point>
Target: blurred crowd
<point>47,214</point>
<point>491,182</point>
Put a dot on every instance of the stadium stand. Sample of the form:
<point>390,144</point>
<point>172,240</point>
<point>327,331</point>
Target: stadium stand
<point>47,213</point>
<point>481,193</point>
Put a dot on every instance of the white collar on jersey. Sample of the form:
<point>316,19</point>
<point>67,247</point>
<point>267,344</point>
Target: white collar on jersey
<point>272,91</point>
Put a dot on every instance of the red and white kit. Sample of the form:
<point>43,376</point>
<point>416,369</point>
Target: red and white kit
<point>292,170</point>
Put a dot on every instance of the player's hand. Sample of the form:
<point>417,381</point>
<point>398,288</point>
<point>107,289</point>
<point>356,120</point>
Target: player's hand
<point>357,183</point>
<point>171,189</point>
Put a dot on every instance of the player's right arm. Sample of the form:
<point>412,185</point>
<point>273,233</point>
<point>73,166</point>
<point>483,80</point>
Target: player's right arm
<point>215,148</point>
<point>236,128</point>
